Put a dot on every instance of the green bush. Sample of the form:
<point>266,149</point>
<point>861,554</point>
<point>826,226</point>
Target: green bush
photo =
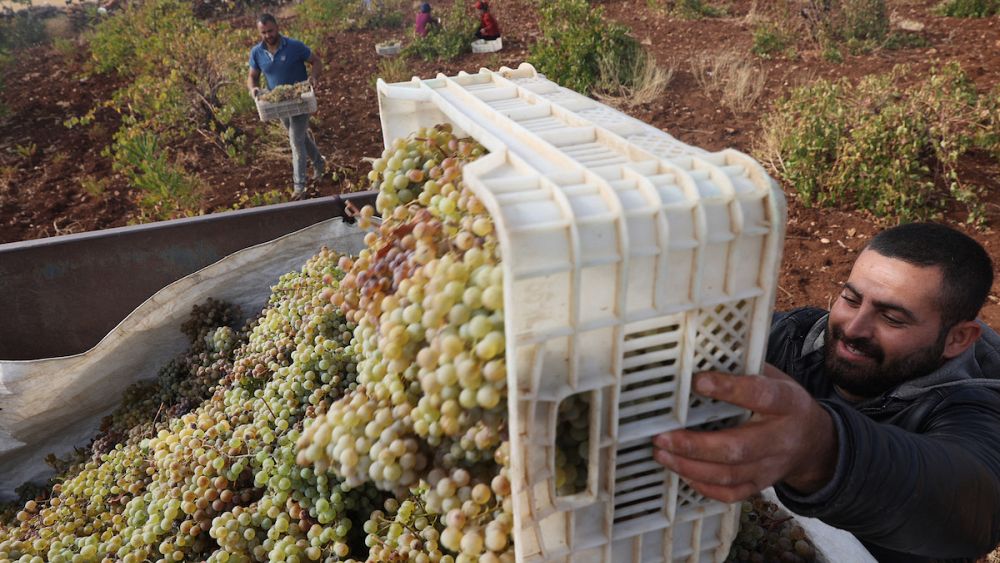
<point>575,39</point>
<point>448,40</point>
<point>859,26</point>
<point>185,81</point>
<point>905,40</point>
<point>392,69</point>
<point>167,191</point>
<point>321,18</point>
<point>879,146</point>
<point>861,20</point>
<point>969,8</point>
<point>769,39</point>
<point>22,30</point>
<point>695,9</point>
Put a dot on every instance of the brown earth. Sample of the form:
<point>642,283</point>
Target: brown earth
<point>53,189</point>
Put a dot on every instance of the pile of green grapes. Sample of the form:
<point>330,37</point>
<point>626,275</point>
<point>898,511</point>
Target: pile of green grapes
<point>361,416</point>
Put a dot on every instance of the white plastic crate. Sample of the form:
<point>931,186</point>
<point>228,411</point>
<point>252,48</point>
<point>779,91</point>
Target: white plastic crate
<point>388,49</point>
<point>484,46</point>
<point>631,261</point>
<point>278,110</point>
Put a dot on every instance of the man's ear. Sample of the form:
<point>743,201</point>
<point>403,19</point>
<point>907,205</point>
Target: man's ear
<point>960,337</point>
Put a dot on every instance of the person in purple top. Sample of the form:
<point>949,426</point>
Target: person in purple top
<point>282,60</point>
<point>423,20</point>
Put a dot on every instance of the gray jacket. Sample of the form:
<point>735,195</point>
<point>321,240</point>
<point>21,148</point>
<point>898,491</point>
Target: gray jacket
<point>918,469</point>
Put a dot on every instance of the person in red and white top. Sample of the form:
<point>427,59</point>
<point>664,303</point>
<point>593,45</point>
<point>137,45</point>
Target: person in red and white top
<point>489,29</point>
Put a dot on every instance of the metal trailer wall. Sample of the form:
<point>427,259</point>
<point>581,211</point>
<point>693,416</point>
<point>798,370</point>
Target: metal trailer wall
<point>59,296</point>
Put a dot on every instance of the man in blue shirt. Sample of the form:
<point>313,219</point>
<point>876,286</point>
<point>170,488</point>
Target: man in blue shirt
<point>283,60</point>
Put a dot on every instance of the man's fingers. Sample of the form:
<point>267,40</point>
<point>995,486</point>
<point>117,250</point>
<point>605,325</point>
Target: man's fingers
<point>725,493</point>
<point>733,446</point>
<point>767,395</point>
<point>772,372</point>
<point>722,474</point>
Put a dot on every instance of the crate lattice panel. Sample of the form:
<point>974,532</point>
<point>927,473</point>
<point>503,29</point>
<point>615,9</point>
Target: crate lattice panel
<point>631,261</point>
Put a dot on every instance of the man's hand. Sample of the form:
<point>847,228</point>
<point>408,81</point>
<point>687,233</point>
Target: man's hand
<point>255,92</point>
<point>789,438</point>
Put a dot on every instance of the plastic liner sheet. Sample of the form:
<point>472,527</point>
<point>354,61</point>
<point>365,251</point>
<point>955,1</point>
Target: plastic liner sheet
<point>55,404</point>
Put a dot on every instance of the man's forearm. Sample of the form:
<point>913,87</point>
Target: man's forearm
<point>925,478</point>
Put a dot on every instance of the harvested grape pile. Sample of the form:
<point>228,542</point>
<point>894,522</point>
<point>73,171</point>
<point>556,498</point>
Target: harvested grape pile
<point>286,92</point>
<point>361,416</point>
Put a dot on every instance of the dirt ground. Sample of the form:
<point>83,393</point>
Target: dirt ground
<point>48,172</point>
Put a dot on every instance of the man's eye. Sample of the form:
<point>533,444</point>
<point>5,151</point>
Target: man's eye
<point>892,320</point>
<point>850,299</point>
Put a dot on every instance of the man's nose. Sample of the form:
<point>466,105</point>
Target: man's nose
<point>860,325</point>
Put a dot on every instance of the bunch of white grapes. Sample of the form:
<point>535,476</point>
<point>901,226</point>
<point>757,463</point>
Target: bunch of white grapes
<point>286,92</point>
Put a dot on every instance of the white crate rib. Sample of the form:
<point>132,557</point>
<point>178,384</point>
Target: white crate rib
<point>268,111</point>
<point>631,260</point>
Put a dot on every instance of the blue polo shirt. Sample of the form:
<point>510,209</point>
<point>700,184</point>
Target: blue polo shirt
<point>286,66</point>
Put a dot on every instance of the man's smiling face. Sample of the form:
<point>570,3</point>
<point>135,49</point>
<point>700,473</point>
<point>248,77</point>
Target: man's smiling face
<point>885,327</point>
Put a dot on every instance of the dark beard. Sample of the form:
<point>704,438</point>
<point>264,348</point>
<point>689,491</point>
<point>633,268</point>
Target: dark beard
<point>872,381</point>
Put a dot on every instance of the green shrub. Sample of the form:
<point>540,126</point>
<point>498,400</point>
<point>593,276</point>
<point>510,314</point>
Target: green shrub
<point>392,69</point>
<point>694,9</point>
<point>861,20</point>
<point>904,40</point>
<point>575,39</point>
<point>448,40</point>
<point>969,8</point>
<point>167,191</point>
<point>318,19</point>
<point>881,147</point>
<point>184,83</point>
<point>769,39</point>
<point>23,30</point>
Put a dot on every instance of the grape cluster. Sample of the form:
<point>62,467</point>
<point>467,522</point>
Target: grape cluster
<point>286,92</point>
<point>427,298</point>
<point>767,535</point>
<point>572,444</point>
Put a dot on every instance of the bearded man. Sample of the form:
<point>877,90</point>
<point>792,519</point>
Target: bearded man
<point>282,60</point>
<point>881,417</point>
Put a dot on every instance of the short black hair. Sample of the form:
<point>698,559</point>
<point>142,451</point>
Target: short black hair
<point>267,18</point>
<point>967,268</point>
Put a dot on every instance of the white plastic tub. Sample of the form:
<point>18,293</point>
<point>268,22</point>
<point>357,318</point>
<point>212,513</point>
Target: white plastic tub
<point>388,49</point>
<point>484,46</point>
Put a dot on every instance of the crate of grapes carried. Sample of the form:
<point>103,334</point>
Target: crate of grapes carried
<point>630,261</point>
<point>388,48</point>
<point>487,46</point>
<point>286,101</point>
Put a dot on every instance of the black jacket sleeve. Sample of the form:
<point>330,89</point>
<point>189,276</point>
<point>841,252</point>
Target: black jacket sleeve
<point>931,494</point>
